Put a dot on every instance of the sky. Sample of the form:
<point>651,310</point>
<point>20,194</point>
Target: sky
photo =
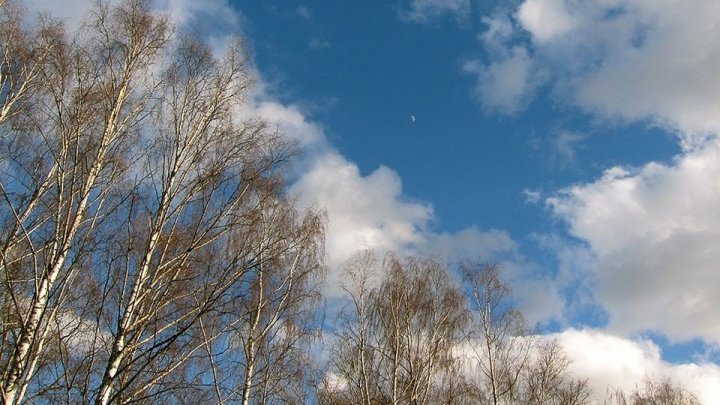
<point>573,141</point>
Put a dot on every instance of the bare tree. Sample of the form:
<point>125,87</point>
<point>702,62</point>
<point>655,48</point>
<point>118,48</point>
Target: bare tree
<point>353,356</point>
<point>660,391</point>
<point>272,319</point>
<point>501,343</point>
<point>138,214</point>
<point>546,379</point>
<point>400,339</point>
<point>62,156</point>
<point>24,55</point>
<point>403,339</point>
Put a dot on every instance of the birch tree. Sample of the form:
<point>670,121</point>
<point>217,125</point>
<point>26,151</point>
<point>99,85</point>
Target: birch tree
<point>547,381</point>
<point>353,357</point>
<point>401,343</point>
<point>653,391</point>
<point>137,212</point>
<point>500,339</point>
<point>24,55</point>
<point>272,322</point>
<point>411,335</point>
<point>62,157</point>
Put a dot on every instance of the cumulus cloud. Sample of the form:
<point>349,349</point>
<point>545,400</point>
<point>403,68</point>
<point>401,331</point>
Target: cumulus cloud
<point>539,299</point>
<point>365,211</point>
<point>609,361</point>
<point>371,212</point>
<point>469,242</point>
<point>659,66</point>
<point>188,14</point>
<point>425,11</point>
<point>545,19</point>
<point>650,234</point>
<point>290,120</point>
<point>225,18</point>
<point>648,60</point>
<point>655,235</point>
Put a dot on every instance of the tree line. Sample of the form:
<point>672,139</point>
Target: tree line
<point>417,332</point>
<point>149,253</point>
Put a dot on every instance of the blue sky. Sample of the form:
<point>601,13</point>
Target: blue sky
<point>574,141</point>
<point>362,72</point>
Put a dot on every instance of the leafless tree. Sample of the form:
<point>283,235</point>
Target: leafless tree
<point>62,154</point>
<point>272,319</point>
<point>547,381</point>
<point>403,339</point>
<point>513,365</point>
<point>143,223</point>
<point>24,55</point>
<point>501,341</point>
<point>399,343</point>
<point>353,356</point>
<point>658,391</point>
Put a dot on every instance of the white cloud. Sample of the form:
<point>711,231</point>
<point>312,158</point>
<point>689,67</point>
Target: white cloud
<point>425,11</point>
<point>662,70</point>
<point>532,196</point>
<point>545,19</point>
<point>649,60</point>
<point>500,31</point>
<point>364,211</point>
<point>469,242</point>
<point>652,233</point>
<point>225,19</point>
<point>655,235</point>
<point>538,298</point>
<point>505,84</point>
<point>371,212</point>
<point>288,119</point>
<point>609,361</point>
